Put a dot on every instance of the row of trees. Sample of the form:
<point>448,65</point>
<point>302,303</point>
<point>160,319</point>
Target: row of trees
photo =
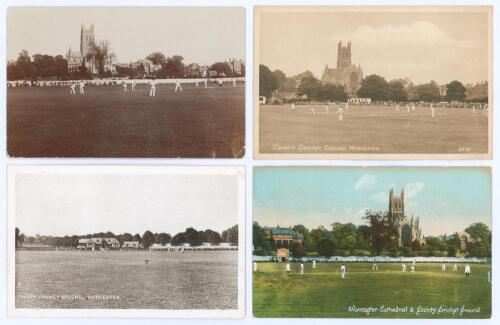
<point>173,67</point>
<point>99,58</point>
<point>372,86</point>
<point>377,237</point>
<point>190,236</point>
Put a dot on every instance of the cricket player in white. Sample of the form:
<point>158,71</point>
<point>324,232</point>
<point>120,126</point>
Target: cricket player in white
<point>404,267</point>
<point>414,262</point>
<point>314,265</point>
<point>178,85</point>
<point>467,270</point>
<point>340,111</point>
<point>134,83</point>
<point>342,271</point>
<point>413,108</point>
<point>124,86</point>
<point>412,268</point>
<point>82,84</point>
<point>455,268</point>
<point>443,266</point>
<point>234,82</point>
<point>220,82</point>
<point>196,84</point>
<point>72,88</point>
<point>152,90</point>
<point>293,106</point>
<point>312,111</point>
<point>287,268</point>
<point>206,83</point>
<point>432,110</point>
<point>327,111</point>
<point>301,268</point>
<point>407,108</point>
<point>255,266</point>
<point>397,109</point>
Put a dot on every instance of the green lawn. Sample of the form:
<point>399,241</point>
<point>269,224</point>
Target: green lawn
<point>322,292</point>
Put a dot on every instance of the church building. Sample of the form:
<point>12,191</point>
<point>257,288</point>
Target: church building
<point>346,74</point>
<point>407,229</point>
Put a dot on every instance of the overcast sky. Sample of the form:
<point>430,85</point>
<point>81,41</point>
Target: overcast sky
<point>71,203</point>
<point>447,200</point>
<point>423,46</point>
<point>200,34</point>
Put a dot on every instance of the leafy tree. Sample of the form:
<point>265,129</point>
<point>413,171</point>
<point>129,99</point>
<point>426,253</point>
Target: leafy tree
<point>102,54</point>
<point>309,86</point>
<point>156,58</point>
<point>179,239</point>
<point>345,235</point>
<point>318,234</point>
<point>480,249</point>
<point>148,239</point>
<point>268,82</point>
<point>428,92</point>
<point>263,245</point>
<point>325,247</point>
<point>18,243</point>
<point>307,240</point>
<point>290,84</point>
<point>232,235</point>
<point>280,77</point>
<point>330,92</point>
<point>296,249</point>
<point>138,238</point>
<point>212,237</point>
<point>455,91</point>
<point>193,237</point>
<point>174,67</point>
<point>479,230</point>
<point>24,67</point>
<point>164,238</point>
<point>374,87</point>
<point>222,68</point>
<point>396,91</point>
<point>61,66</point>
<point>452,250</point>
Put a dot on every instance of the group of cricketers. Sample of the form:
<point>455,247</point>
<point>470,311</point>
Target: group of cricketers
<point>467,268</point>
<point>151,83</point>
<point>410,108</point>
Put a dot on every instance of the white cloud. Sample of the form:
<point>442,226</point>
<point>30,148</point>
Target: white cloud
<point>413,189</point>
<point>417,50</point>
<point>380,197</point>
<point>365,181</point>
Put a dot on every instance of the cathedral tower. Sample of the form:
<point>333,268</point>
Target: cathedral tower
<point>87,39</point>
<point>343,56</point>
<point>397,206</point>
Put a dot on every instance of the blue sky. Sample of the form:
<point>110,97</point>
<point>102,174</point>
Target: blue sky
<point>446,199</point>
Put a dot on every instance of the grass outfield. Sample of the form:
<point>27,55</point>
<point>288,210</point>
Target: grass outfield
<point>107,122</point>
<point>322,293</point>
<point>451,131</point>
<point>170,280</point>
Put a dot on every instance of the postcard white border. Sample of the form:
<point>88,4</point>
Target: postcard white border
<point>13,170</point>
<point>259,9</point>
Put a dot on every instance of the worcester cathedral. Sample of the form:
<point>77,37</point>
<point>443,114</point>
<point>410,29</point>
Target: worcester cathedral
<point>407,229</point>
<point>346,74</point>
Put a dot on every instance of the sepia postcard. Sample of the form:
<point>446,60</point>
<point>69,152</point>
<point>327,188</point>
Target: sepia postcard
<point>373,82</point>
<point>126,241</point>
<point>375,242</point>
<point>126,82</point>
